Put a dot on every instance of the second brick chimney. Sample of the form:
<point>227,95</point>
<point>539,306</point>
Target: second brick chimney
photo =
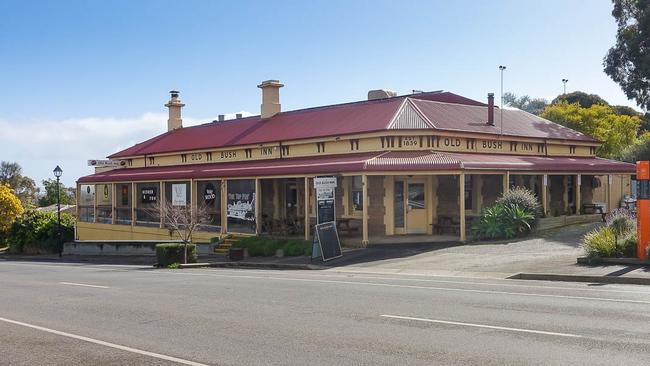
<point>490,116</point>
<point>175,120</point>
<point>270,98</point>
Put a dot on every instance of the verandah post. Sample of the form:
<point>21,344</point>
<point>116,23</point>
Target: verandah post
<point>461,204</point>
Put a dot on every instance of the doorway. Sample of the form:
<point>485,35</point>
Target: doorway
<point>410,205</point>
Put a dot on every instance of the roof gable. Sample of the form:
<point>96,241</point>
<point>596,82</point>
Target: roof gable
<point>409,118</point>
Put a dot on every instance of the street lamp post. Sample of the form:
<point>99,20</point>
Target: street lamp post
<point>564,81</point>
<point>57,173</point>
<point>501,67</point>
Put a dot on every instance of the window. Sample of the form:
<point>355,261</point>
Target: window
<point>151,160</point>
<point>104,196</point>
<point>147,212</point>
<point>356,194</point>
<point>87,203</point>
<point>208,197</point>
<point>183,158</point>
<point>123,204</point>
<point>469,190</point>
<point>241,206</point>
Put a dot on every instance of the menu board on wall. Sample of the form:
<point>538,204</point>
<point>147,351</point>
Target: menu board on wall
<point>325,203</point>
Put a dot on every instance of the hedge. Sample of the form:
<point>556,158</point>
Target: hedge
<point>170,253</point>
<point>265,246</point>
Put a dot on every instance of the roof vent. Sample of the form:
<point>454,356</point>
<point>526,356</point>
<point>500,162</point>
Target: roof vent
<point>238,115</point>
<point>380,94</point>
<point>222,118</point>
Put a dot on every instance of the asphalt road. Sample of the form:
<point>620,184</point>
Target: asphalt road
<point>72,314</point>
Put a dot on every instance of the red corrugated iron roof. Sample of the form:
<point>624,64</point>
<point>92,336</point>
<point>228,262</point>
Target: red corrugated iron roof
<point>368,162</point>
<point>468,118</point>
<point>447,111</point>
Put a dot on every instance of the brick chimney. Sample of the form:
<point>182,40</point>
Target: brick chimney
<point>175,121</point>
<point>490,119</point>
<point>270,98</point>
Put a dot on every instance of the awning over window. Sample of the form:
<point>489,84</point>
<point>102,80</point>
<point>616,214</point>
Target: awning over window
<point>366,162</point>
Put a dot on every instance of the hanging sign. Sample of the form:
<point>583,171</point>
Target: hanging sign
<point>148,194</point>
<point>106,163</point>
<point>324,182</point>
<point>179,194</point>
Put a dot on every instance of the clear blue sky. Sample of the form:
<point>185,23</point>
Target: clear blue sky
<point>81,79</point>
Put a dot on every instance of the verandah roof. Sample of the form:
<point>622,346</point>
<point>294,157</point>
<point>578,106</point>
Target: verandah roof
<point>367,162</point>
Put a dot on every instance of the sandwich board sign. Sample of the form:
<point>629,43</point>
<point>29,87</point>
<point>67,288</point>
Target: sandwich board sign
<point>326,244</point>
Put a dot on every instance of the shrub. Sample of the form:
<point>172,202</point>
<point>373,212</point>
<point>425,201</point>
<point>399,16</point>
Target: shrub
<point>503,221</point>
<point>523,198</point>
<point>599,242</point>
<point>265,247</point>
<point>170,253</point>
<point>36,232</point>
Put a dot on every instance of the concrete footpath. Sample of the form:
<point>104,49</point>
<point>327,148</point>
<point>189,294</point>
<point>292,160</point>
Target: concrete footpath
<point>550,255</point>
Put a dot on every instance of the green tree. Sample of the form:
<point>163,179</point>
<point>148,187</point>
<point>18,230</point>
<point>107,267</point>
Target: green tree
<point>599,121</point>
<point>525,103</point>
<point>50,194</point>
<point>10,207</point>
<point>24,187</point>
<point>583,99</point>
<point>628,61</point>
<point>639,151</point>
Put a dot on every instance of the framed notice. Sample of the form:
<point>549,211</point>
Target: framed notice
<point>179,194</point>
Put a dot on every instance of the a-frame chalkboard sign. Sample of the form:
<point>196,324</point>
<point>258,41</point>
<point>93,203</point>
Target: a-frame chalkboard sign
<point>326,244</point>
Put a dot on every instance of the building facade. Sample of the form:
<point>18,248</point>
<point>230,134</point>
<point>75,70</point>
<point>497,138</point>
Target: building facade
<point>417,164</point>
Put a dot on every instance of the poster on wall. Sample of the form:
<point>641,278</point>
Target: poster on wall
<point>210,194</point>
<point>241,206</point>
<point>179,194</point>
<point>148,194</point>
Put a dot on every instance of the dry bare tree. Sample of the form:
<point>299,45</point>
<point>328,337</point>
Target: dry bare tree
<point>181,221</point>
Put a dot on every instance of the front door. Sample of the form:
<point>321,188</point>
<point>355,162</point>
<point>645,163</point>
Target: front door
<point>416,207</point>
<point>410,206</point>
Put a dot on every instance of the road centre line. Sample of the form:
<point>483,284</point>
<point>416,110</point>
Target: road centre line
<point>82,284</point>
<point>482,326</point>
<point>106,344</point>
<point>451,289</point>
<point>352,275</point>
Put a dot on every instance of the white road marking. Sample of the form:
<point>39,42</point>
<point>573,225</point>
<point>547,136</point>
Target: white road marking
<point>103,343</point>
<point>416,287</point>
<point>483,326</point>
<point>82,284</point>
